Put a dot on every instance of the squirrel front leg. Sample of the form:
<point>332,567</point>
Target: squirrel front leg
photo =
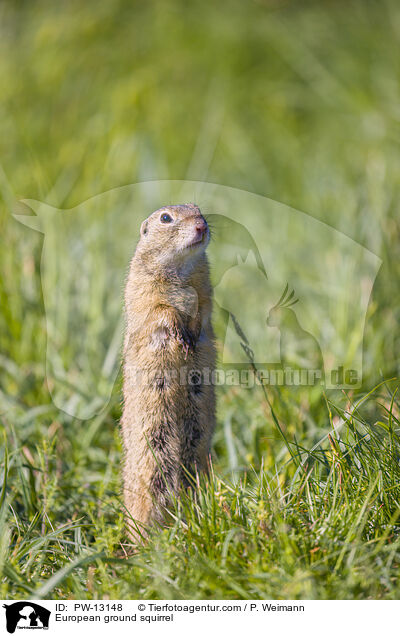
<point>169,326</point>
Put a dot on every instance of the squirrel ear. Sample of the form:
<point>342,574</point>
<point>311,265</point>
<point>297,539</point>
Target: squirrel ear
<point>143,228</point>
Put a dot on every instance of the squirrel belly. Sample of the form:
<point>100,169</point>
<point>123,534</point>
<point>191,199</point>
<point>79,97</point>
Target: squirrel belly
<point>169,355</point>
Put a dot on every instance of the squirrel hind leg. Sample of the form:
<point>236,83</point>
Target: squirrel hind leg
<point>164,487</point>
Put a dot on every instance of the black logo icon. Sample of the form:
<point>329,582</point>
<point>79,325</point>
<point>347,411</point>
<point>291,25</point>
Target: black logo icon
<point>26,615</point>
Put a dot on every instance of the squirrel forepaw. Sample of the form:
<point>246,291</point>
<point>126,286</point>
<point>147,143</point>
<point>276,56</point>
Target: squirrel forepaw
<point>186,340</point>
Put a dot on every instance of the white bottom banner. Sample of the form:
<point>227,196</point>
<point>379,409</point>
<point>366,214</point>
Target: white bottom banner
<point>176,617</point>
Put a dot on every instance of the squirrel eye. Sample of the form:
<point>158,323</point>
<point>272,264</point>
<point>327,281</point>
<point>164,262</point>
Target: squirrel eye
<point>166,218</point>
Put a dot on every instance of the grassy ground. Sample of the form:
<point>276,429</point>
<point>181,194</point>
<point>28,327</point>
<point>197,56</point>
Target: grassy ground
<point>298,102</point>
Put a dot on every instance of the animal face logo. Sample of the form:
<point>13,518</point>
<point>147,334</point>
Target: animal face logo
<point>282,309</point>
<point>26,615</point>
<point>298,348</point>
<point>257,248</point>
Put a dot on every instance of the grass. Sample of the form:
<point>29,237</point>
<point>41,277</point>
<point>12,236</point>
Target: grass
<point>295,101</point>
<point>326,529</point>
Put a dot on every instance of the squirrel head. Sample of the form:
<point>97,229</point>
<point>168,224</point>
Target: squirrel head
<point>174,235</point>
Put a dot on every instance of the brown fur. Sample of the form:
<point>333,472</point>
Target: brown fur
<point>167,423</point>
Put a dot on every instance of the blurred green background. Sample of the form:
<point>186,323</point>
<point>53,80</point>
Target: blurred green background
<point>296,101</point>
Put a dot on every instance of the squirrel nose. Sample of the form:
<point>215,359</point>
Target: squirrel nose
<point>201,226</point>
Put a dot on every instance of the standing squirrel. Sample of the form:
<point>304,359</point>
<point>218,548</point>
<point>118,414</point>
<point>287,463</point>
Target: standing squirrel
<point>169,355</point>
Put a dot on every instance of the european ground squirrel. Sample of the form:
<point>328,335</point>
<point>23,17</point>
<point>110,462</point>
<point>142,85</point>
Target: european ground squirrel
<point>169,355</point>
